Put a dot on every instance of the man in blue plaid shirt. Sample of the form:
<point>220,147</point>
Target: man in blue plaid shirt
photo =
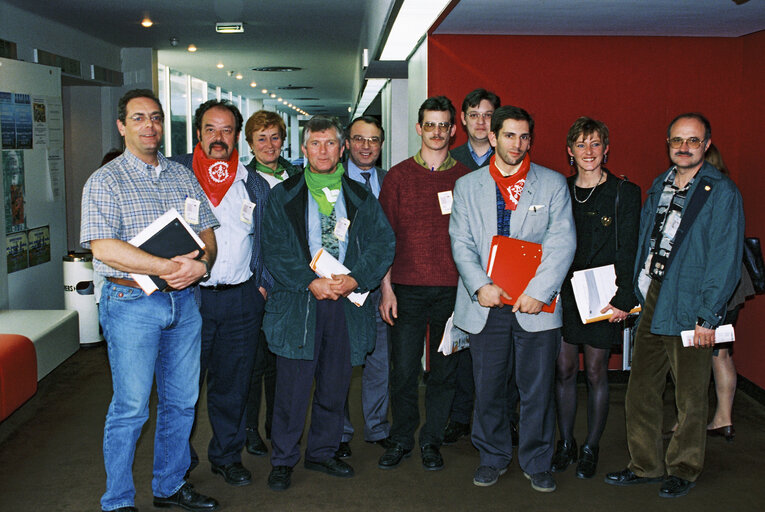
<point>147,335</point>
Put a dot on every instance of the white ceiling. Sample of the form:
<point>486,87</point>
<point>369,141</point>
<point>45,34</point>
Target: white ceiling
<point>326,37</point>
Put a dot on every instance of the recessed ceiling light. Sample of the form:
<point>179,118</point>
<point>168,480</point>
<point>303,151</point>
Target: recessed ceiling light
<point>253,84</point>
<point>273,95</point>
<point>239,76</point>
<point>281,100</point>
<point>219,65</point>
<point>146,22</point>
<point>192,48</point>
<point>264,91</point>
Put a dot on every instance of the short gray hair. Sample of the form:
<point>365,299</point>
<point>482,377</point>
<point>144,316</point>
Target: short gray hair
<point>322,124</point>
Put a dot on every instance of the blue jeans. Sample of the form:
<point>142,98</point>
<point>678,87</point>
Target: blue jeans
<point>148,335</point>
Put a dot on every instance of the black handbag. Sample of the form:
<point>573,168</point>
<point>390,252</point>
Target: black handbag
<point>753,263</point>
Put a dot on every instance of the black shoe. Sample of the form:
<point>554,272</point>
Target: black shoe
<point>514,433</point>
<point>280,478</point>
<point>674,487</point>
<point>454,430</point>
<point>728,432</point>
<point>565,454</point>
<point>333,467</point>
<point>187,498</point>
<point>125,509</point>
<point>588,462</point>
<point>393,456</point>
<point>234,473</point>
<point>627,477</point>
<point>255,444</point>
<point>385,443</point>
<point>343,451</point>
<point>431,457</point>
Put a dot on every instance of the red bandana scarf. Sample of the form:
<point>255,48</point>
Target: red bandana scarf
<point>215,176</point>
<point>510,186</point>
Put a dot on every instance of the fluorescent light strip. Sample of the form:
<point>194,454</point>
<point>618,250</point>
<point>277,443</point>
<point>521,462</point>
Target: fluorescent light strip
<point>371,90</point>
<point>413,21</point>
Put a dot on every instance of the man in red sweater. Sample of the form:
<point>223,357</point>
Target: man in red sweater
<point>420,288</point>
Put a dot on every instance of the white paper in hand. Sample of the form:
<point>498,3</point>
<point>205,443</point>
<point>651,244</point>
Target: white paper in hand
<point>324,264</point>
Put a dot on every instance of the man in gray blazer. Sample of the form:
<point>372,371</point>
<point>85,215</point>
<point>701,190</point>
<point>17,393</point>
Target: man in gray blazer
<point>365,136</point>
<point>516,198</point>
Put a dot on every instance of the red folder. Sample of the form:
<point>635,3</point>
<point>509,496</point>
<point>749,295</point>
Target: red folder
<point>512,264</point>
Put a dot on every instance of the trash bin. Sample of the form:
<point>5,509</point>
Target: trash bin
<point>79,295</point>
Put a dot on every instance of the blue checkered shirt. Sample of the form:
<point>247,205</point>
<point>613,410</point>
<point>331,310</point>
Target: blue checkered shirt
<point>124,196</point>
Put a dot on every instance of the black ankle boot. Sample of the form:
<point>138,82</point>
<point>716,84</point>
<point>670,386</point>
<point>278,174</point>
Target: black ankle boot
<point>565,454</point>
<point>588,462</point>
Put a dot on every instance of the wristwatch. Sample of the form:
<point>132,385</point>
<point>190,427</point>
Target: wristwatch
<point>205,277</point>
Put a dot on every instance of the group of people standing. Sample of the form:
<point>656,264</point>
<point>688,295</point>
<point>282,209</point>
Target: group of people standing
<point>410,247</point>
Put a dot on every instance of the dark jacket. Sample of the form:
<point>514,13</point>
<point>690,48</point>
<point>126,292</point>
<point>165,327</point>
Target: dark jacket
<point>463,156</point>
<point>291,169</point>
<point>704,266</point>
<point>597,223</point>
<point>290,318</point>
<point>257,189</point>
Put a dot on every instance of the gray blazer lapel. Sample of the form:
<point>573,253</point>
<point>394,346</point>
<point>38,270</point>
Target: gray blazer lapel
<point>526,201</point>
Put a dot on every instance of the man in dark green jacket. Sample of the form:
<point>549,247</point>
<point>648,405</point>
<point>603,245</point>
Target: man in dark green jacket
<point>311,325</point>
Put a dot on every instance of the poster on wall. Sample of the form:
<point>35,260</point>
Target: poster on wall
<point>7,122</point>
<point>13,195</point>
<point>40,130</point>
<point>54,112</point>
<point>38,242</point>
<point>55,174</point>
<point>23,118</point>
<point>16,251</point>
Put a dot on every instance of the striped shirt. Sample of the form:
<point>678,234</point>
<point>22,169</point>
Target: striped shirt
<point>124,196</point>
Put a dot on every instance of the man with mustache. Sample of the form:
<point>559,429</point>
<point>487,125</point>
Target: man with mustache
<point>233,298</point>
<point>688,264</point>
<point>420,287</point>
<point>152,336</point>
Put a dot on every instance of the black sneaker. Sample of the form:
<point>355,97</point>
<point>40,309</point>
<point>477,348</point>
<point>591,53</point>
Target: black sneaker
<point>674,487</point>
<point>454,430</point>
<point>280,478</point>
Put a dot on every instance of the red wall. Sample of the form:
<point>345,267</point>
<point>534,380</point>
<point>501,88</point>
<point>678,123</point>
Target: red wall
<point>636,85</point>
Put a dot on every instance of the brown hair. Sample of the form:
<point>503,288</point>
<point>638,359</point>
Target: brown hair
<point>261,120</point>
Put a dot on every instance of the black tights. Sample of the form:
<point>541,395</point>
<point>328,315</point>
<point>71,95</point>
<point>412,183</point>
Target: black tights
<point>567,367</point>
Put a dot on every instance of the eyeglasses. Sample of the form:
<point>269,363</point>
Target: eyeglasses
<point>372,141</point>
<point>475,116</point>
<point>429,126</point>
<point>677,142</point>
<point>141,118</point>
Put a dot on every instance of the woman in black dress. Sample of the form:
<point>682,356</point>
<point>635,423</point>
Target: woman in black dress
<point>607,216</point>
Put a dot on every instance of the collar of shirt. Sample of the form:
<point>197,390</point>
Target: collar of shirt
<point>480,160</point>
<point>670,180</point>
<point>354,173</point>
<point>314,226</point>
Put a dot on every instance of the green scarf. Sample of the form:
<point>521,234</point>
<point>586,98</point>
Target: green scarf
<point>317,182</point>
<point>266,169</point>
<point>448,163</point>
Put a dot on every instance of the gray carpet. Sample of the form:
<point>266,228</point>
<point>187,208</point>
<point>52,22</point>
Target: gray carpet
<point>50,459</point>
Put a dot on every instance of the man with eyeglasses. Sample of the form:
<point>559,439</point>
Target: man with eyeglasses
<point>232,297</point>
<point>516,198</point>
<point>147,336</point>
<point>365,137</point>
<point>477,109</point>
<point>311,323</point>
<point>688,264</point>
<point>420,287</point>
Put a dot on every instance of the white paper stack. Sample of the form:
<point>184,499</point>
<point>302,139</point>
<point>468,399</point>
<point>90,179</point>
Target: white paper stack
<point>593,290</point>
<point>324,264</point>
<point>723,334</point>
<point>454,338</point>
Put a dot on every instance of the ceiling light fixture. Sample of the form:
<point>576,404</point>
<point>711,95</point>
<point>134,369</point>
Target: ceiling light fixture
<point>146,22</point>
<point>239,76</point>
<point>371,90</point>
<point>264,91</point>
<point>192,48</point>
<point>412,22</point>
<point>219,65</point>
<point>229,27</point>
<point>253,84</point>
<point>273,95</point>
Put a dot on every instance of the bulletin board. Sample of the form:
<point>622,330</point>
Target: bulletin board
<point>33,217</point>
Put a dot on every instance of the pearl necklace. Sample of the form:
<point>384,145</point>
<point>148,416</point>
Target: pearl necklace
<point>582,201</point>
